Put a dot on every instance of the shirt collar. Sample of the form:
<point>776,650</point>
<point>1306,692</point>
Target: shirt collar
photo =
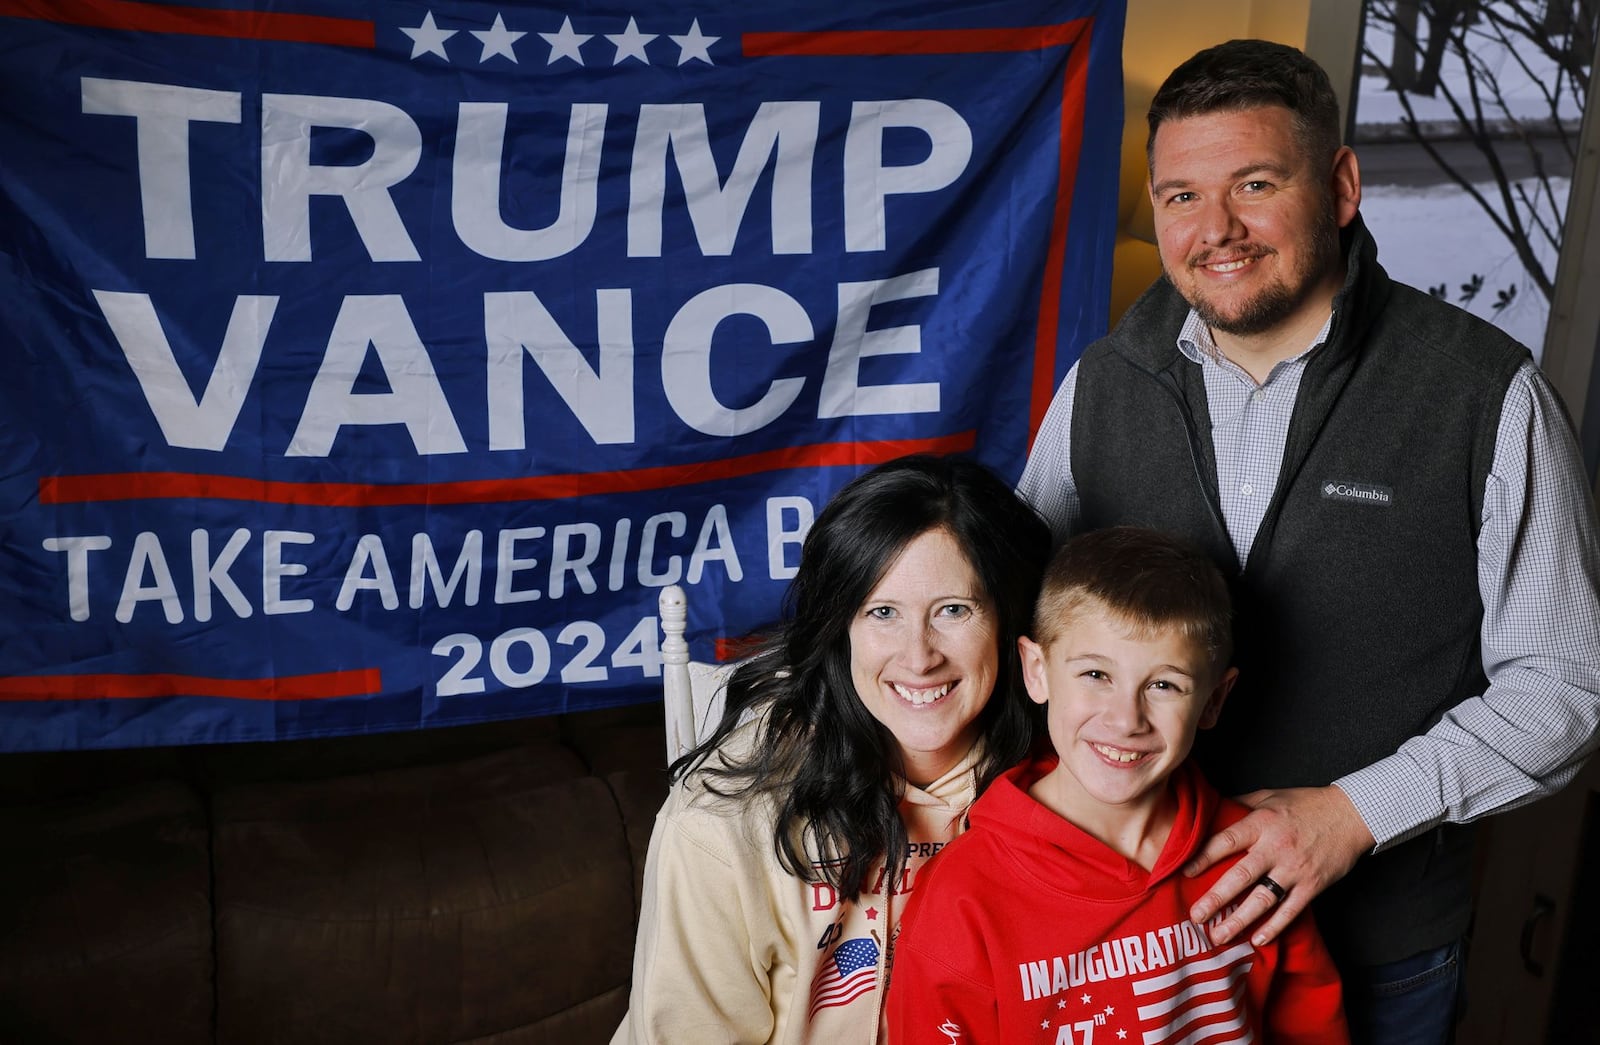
<point>1198,346</point>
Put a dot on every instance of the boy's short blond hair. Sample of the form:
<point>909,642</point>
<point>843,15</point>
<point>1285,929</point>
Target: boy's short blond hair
<point>1151,580</point>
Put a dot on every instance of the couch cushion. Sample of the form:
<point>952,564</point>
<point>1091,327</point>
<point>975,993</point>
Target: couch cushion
<point>608,739</point>
<point>321,758</point>
<point>639,795</point>
<point>105,933</point>
<point>32,777</point>
<point>439,904</point>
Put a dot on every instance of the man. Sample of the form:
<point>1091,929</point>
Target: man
<point>1398,497</point>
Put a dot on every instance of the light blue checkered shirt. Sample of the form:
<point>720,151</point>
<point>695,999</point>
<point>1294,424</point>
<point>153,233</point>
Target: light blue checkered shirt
<point>1249,424</point>
<point>1538,576</point>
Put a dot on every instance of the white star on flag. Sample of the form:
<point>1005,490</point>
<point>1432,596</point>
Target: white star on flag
<point>428,38</point>
<point>630,43</point>
<point>497,40</point>
<point>695,44</point>
<point>565,44</point>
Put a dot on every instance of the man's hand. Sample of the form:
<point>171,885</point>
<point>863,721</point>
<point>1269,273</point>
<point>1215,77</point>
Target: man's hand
<point>1304,839</point>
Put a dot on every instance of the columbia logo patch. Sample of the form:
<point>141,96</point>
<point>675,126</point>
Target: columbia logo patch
<point>1360,493</point>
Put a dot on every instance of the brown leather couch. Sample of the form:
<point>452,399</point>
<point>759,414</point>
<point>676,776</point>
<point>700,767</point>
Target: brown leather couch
<point>477,884</point>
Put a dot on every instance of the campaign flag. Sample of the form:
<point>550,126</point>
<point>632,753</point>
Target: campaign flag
<point>373,365</point>
<point>850,972</point>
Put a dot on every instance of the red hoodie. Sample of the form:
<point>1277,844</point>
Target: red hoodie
<point>1028,931</point>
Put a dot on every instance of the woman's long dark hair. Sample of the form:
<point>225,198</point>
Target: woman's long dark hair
<point>833,771</point>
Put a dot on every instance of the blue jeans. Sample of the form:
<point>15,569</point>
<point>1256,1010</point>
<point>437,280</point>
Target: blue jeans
<point>1414,1001</point>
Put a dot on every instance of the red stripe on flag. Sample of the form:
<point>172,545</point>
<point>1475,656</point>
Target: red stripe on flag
<point>1074,97</point>
<point>874,42</point>
<point>135,486</point>
<point>729,647</point>
<point>196,21</point>
<point>846,990</point>
<point>321,686</point>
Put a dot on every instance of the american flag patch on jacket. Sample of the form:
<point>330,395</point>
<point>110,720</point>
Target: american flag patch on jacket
<point>851,971</point>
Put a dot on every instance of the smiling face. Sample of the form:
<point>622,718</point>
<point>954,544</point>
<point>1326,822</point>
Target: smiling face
<point>1123,708</point>
<point>1248,223</point>
<point>924,653</point>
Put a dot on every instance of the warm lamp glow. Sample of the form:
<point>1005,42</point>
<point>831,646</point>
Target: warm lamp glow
<point>1141,223</point>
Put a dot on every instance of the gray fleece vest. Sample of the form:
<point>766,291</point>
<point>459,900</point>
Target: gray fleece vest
<point>1357,614</point>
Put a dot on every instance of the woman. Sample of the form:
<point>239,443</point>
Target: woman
<point>889,697</point>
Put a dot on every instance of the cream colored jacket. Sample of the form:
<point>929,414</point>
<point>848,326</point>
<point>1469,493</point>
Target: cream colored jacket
<point>733,950</point>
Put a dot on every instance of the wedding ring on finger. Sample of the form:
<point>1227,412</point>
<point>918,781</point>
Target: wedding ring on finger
<point>1278,892</point>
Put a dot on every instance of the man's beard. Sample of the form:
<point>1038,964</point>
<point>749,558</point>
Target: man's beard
<point>1274,303</point>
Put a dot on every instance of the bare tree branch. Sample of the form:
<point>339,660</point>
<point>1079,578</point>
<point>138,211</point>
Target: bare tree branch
<point>1526,35</point>
<point>1552,235</point>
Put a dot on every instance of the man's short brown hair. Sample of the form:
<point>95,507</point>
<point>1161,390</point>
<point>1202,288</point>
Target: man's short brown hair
<point>1248,74</point>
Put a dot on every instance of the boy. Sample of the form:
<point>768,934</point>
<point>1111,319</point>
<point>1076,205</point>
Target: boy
<point>1060,916</point>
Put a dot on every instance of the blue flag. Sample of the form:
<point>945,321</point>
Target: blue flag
<point>372,365</point>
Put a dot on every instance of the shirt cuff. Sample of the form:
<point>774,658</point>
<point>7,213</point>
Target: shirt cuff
<point>1393,800</point>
